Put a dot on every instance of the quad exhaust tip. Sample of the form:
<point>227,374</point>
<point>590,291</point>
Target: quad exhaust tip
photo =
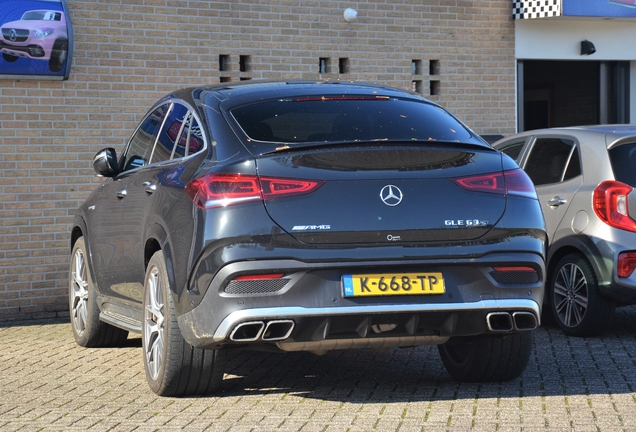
<point>507,322</point>
<point>248,331</point>
<point>524,320</point>
<point>252,331</point>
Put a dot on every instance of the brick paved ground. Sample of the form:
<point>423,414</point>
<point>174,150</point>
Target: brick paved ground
<point>48,382</point>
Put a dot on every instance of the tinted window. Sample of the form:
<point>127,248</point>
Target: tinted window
<point>171,128</point>
<point>623,159</point>
<point>140,147</point>
<point>347,118</point>
<point>549,158</point>
<point>191,133</point>
<point>513,149</point>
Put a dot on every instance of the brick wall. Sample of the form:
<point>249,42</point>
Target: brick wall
<point>128,53</point>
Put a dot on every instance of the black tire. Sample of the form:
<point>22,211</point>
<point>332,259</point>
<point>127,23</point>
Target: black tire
<point>487,358</point>
<point>576,303</point>
<point>58,55</point>
<point>9,58</point>
<point>88,330</point>
<point>173,367</point>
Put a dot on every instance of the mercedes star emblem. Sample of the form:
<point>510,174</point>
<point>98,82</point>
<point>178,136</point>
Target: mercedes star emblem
<point>391,195</point>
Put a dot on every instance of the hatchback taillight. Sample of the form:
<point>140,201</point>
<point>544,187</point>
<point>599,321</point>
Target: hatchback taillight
<point>513,182</point>
<point>221,190</point>
<point>611,204</point>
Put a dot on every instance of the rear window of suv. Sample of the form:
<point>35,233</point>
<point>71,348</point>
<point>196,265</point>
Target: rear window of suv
<point>623,159</point>
<point>347,118</point>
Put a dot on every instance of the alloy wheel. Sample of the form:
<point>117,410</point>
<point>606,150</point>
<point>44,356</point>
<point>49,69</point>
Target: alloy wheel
<point>154,318</point>
<point>570,295</point>
<point>79,287</point>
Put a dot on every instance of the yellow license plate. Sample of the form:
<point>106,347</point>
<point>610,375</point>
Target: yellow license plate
<point>392,284</point>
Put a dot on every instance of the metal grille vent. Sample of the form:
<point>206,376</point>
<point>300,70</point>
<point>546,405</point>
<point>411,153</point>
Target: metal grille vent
<point>515,277</point>
<point>255,286</point>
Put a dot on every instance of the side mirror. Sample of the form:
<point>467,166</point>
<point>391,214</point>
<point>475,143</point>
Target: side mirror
<point>105,163</point>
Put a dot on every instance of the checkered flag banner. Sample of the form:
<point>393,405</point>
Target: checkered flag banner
<point>528,9</point>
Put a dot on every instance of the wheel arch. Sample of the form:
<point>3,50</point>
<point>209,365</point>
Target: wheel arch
<point>76,233</point>
<point>157,240</point>
<point>581,245</point>
<point>81,230</point>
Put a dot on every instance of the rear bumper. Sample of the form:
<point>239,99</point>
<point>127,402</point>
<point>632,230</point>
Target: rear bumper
<point>455,310</point>
<point>310,313</point>
<point>602,251</point>
<point>322,329</point>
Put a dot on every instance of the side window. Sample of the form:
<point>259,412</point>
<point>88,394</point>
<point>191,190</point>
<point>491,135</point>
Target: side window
<point>190,134</point>
<point>513,149</point>
<point>167,137</point>
<point>140,147</point>
<point>549,158</point>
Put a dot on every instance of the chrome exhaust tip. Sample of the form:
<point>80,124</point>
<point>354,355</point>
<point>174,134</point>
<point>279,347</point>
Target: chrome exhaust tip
<point>247,331</point>
<point>499,322</point>
<point>278,330</point>
<point>525,320</point>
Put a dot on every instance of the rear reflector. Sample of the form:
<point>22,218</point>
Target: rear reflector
<point>610,201</point>
<point>513,269</point>
<point>626,264</point>
<point>221,190</point>
<point>515,275</point>
<point>513,182</point>
<point>260,276</point>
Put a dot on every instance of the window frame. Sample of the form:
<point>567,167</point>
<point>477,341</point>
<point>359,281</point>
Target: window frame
<point>193,116</point>
<point>532,145</point>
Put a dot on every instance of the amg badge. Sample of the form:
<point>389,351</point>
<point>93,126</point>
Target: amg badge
<point>311,227</point>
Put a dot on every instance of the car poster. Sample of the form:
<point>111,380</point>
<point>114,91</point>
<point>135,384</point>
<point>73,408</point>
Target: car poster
<point>600,8</point>
<point>35,39</point>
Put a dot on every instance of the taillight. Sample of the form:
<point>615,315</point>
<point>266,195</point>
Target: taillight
<point>610,202</point>
<point>626,264</point>
<point>221,190</point>
<point>513,182</point>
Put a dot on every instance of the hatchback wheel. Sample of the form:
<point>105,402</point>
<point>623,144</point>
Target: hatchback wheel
<point>173,367</point>
<point>88,330</point>
<point>576,303</point>
<point>488,358</point>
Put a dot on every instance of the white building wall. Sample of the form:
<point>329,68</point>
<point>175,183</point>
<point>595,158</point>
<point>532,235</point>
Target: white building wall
<point>560,39</point>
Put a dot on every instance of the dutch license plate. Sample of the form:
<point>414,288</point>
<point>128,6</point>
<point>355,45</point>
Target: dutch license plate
<point>392,284</point>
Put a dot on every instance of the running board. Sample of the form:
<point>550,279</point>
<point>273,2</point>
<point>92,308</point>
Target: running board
<point>121,321</point>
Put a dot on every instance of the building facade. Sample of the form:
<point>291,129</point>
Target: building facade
<point>128,53</point>
<point>575,61</point>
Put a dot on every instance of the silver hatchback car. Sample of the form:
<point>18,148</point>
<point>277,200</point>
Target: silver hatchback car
<point>585,178</point>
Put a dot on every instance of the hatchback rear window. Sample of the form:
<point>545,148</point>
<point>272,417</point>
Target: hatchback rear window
<point>347,118</point>
<point>623,159</point>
